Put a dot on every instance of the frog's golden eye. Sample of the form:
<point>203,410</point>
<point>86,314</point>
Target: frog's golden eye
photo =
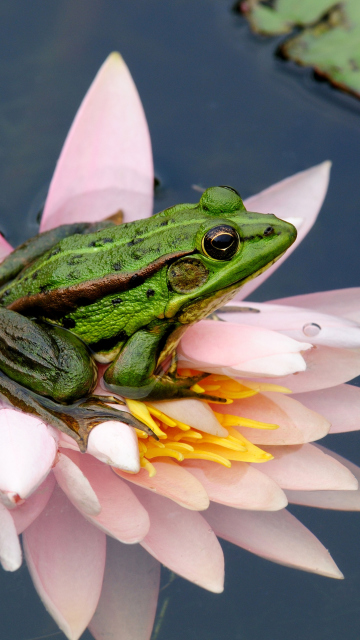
<point>221,243</point>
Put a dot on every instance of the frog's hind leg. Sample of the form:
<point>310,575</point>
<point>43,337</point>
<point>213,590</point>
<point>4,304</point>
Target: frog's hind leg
<point>75,420</point>
<point>49,372</point>
<point>46,359</point>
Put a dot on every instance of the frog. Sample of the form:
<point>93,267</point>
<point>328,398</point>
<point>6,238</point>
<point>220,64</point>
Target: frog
<point>122,295</point>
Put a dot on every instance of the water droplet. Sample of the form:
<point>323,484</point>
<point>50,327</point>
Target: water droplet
<point>311,330</point>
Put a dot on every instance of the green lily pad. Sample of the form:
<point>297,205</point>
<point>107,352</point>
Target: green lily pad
<point>329,38</point>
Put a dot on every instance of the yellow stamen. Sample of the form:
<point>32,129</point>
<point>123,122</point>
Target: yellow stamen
<point>145,464</point>
<point>227,387</point>
<point>162,416</point>
<point>189,435</point>
<point>197,389</point>
<point>226,420</point>
<point>266,386</point>
<point>140,411</point>
<point>207,455</point>
<point>180,441</point>
<point>167,453</point>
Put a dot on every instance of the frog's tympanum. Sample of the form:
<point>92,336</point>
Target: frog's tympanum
<point>122,295</point>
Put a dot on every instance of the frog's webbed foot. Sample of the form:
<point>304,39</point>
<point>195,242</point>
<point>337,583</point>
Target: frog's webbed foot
<point>76,420</point>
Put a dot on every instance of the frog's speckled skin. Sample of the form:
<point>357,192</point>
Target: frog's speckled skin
<point>128,291</point>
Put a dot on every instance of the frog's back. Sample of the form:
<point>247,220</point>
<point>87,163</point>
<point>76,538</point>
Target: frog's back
<point>119,249</point>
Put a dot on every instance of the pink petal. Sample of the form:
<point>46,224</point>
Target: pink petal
<point>122,515</point>
<point>294,322</point>
<point>183,541</point>
<point>194,413</point>
<point>339,302</point>
<point>27,452</point>
<point>10,550</point>
<point>341,500</point>
<point>306,467</point>
<point>297,423</point>
<point>66,559</point>
<point>276,536</point>
<point>127,605</point>
<point>115,443</point>
<point>297,199</point>
<point>325,367</point>
<point>241,486</point>
<point>106,161</point>
<point>218,347</point>
<point>28,511</point>
<point>76,486</point>
<point>5,248</point>
<point>172,481</point>
<point>340,405</point>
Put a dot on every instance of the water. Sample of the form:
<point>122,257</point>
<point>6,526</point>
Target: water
<point>221,110</point>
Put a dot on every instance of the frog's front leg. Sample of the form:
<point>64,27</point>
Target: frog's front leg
<point>134,373</point>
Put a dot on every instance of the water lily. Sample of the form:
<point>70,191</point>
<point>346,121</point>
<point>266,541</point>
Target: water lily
<point>96,526</point>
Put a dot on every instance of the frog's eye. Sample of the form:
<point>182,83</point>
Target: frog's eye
<point>221,243</point>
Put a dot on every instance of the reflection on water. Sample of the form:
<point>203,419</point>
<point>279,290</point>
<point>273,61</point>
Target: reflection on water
<point>221,110</point>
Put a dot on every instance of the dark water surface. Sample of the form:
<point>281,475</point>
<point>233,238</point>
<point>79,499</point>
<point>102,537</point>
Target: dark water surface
<point>221,110</point>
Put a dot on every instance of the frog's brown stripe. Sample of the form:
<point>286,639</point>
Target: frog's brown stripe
<point>55,304</point>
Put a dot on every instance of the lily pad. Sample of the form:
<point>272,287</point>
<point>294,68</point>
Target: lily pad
<point>329,37</point>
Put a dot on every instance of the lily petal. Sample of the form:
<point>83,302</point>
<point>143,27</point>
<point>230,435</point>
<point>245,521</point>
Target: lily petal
<point>172,481</point>
<point>340,405</point>
<point>10,550</point>
<point>122,515</point>
<point>240,487</point>
<point>308,468</point>
<point>66,559</point>
<point>297,423</point>
<point>127,605</point>
<point>76,486</point>
<point>297,199</point>
<point>294,322</point>
<point>325,367</point>
<point>194,413</point>
<point>340,500</point>
<point>115,443</point>
<point>106,162</point>
<point>27,452</point>
<point>277,536</point>
<point>24,514</point>
<point>239,349</point>
<point>183,541</point>
<point>5,248</point>
<point>339,302</point>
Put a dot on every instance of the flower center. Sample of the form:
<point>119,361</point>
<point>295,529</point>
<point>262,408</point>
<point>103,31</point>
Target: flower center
<point>182,442</point>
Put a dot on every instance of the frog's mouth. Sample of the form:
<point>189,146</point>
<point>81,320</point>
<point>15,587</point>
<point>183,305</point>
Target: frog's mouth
<point>259,271</point>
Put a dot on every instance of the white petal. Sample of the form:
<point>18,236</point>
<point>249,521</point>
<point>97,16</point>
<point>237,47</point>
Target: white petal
<point>115,443</point>
<point>10,551</point>
<point>194,413</point>
<point>277,365</point>
<point>27,452</point>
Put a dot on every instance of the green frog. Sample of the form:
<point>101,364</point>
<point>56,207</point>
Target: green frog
<point>122,295</point>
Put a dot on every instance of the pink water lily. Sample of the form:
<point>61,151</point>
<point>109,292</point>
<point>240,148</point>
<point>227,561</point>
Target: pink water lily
<point>96,526</point>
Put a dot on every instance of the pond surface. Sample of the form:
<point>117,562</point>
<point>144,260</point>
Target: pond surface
<point>221,110</point>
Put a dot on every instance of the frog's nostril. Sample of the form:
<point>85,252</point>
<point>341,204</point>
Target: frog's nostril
<point>268,231</point>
